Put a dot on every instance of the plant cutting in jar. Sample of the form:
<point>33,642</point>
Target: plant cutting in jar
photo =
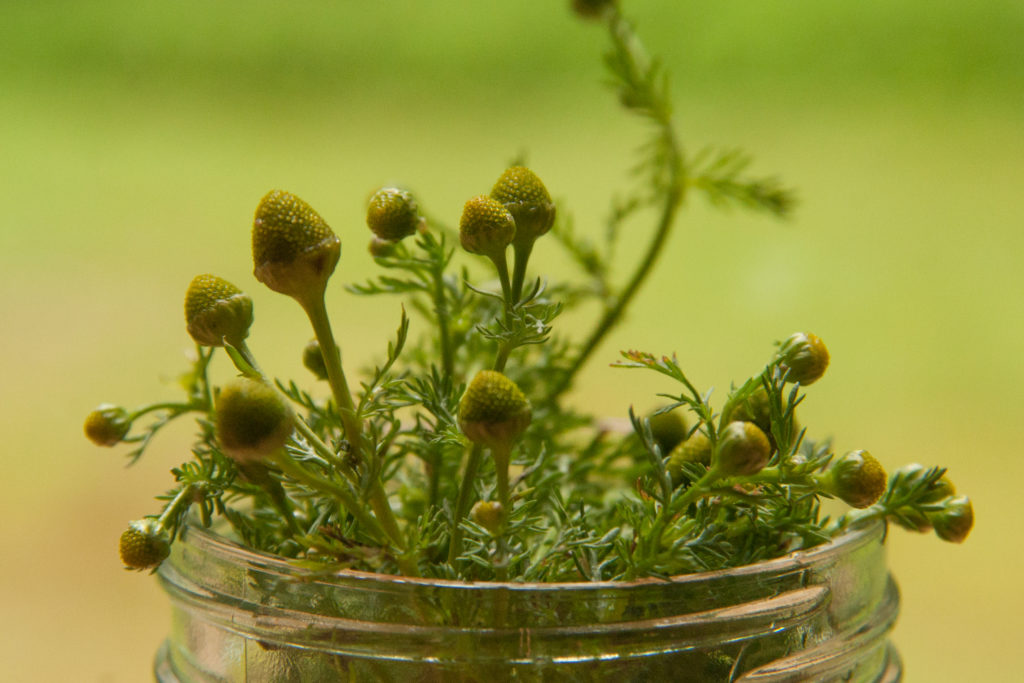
<point>457,456</point>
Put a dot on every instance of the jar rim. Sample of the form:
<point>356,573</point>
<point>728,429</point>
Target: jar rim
<point>228,549</point>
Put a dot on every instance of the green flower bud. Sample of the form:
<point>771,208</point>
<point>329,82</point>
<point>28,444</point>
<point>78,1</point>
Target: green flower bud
<point>393,214</point>
<point>216,311</point>
<point>669,430</point>
<point>493,412</point>
<point>755,408</point>
<point>805,357</point>
<point>379,248</point>
<point>955,521</point>
<point>939,491</point>
<point>293,249</point>
<point>591,9</point>
<point>253,420</point>
<point>695,449</point>
<point>524,195</point>
<point>857,479</point>
<point>313,359</point>
<point>144,545</point>
<point>743,449</point>
<point>486,227</point>
<point>107,425</point>
<point>489,515</point>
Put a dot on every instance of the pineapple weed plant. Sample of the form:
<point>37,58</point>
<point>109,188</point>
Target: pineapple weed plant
<point>456,457</point>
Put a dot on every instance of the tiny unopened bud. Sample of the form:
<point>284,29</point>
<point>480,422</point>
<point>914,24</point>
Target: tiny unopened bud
<point>107,425</point>
<point>216,311</point>
<point>755,408</point>
<point>393,214</point>
<point>313,359</point>
<point>857,479</point>
<point>743,449</point>
<point>293,249</point>
<point>486,227</point>
<point>696,449</point>
<point>488,514</point>
<point>939,491</point>
<point>805,357</point>
<point>144,545</point>
<point>955,521</point>
<point>379,248</point>
<point>521,192</point>
<point>493,412</point>
<point>668,429</point>
<point>253,420</point>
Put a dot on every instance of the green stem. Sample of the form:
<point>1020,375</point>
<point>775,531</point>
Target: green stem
<point>462,506</point>
<point>184,497</point>
<point>441,310</point>
<point>522,255</point>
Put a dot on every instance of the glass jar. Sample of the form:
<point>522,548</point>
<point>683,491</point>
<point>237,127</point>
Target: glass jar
<point>819,615</point>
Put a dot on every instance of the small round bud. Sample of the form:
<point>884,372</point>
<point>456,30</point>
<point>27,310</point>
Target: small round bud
<point>392,214</point>
<point>493,412</point>
<point>743,449</point>
<point>524,195</point>
<point>857,479</point>
<point>695,449</point>
<point>955,521</point>
<point>313,359</point>
<point>669,430</point>
<point>253,420</point>
<point>486,227</point>
<point>755,408</point>
<point>939,491</point>
<point>591,9</point>
<point>805,357</point>
<point>216,311</point>
<point>293,249</point>
<point>144,545</point>
<point>489,515</point>
<point>379,248</point>
<point>107,425</point>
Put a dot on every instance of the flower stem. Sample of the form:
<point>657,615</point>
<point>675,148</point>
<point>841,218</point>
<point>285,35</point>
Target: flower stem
<point>476,455</point>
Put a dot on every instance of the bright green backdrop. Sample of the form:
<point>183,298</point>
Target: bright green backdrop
<point>137,137</point>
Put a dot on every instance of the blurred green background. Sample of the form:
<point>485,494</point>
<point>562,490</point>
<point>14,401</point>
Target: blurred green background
<point>137,137</point>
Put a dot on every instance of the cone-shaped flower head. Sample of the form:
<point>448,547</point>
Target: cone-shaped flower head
<point>858,479</point>
<point>743,449</point>
<point>107,425</point>
<point>144,545</point>
<point>695,449</point>
<point>493,412</point>
<point>393,214</point>
<point>486,227</point>
<point>253,420</point>
<point>805,356</point>
<point>216,311</point>
<point>524,195</point>
<point>293,249</point>
<point>313,359</point>
<point>488,514</point>
<point>955,521</point>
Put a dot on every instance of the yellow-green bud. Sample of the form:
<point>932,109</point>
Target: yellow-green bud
<point>805,357</point>
<point>939,491</point>
<point>216,310</point>
<point>755,408</point>
<point>695,449</point>
<point>524,195</point>
<point>488,514</point>
<point>486,227</point>
<point>107,425</point>
<point>144,545</point>
<point>393,214</point>
<point>857,478</point>
<point>668,429</point>
<point>313,359</point>
<point>743,449</point>
<point>293,249</point>
<point>253,420</point>
<point>591,9</point>
<point>379,248</point>
<point>955,521</point>
<point>493,412</point>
